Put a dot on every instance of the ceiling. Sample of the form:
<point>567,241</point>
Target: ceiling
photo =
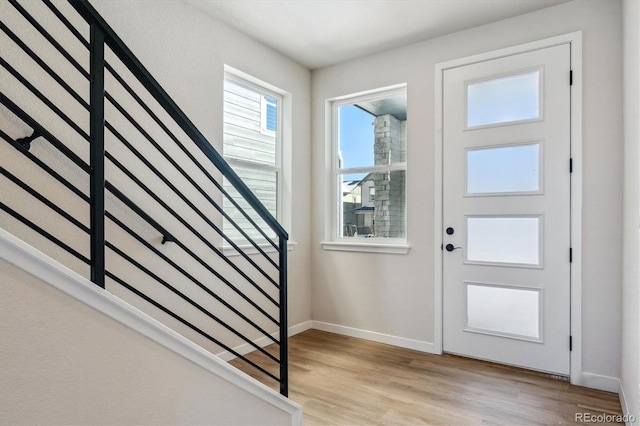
<point>317,33</point>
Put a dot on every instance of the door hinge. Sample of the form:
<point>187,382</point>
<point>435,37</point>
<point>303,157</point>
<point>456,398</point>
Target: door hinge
<point>570,343</point>
<point>570,165</point>
<point>570,254</point>
<point>571,78</point>
<point>441,246</point>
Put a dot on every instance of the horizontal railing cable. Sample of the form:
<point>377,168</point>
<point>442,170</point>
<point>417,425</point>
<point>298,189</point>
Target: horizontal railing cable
<point>136,209</point>
<point>50,39</point>
<point>179,193</point>
<point>43,200</point>
<point>191,278</point>
<point>29,121</point>
<point>44,233</point>
<point>44,99</point>
<point>187,323</point>
<point>124,199</point>
<point>67,23</point>
<point>159,122</point>
<point>44,66</point>
<point>186,224</point>
<point>45,167</point>
<point>184,297</point>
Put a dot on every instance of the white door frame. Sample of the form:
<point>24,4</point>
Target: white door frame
<point>575,39</point>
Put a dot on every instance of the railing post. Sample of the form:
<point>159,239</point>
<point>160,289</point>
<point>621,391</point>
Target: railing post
<point>96,160</point>
<point>284,329</point>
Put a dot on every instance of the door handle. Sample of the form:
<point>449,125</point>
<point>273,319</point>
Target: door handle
<point>450,247</point>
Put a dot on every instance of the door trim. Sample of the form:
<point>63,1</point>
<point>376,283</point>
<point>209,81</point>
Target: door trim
<point>575,41</point>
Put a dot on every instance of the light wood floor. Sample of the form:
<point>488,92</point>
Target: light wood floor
<point>341,380</point>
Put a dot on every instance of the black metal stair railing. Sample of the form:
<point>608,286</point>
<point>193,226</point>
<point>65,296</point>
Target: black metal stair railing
<point>130,119</point>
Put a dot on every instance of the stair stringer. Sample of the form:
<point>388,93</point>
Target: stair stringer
<point>34,262</point>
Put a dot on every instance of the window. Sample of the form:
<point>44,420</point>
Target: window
<point>504,100</point>
<point>370,162</point>
<point>252,146</point>
<point>268,115</point>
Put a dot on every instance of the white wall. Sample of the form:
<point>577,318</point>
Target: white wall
<point>65,363</point>
<point>393,294</point>
<point>630,363</point>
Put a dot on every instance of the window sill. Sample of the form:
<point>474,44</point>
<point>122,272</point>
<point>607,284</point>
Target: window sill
<point>249,249</point>
<point>395,248</point>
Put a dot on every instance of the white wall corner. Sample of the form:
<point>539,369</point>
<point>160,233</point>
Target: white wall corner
<point>299,328</point>
<point>626,410</point>
<point>600,382</point>
<point>388,339</point>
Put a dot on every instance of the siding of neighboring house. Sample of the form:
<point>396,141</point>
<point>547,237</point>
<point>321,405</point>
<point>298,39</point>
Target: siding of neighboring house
<point>351,200</point>
<point>245,139</point>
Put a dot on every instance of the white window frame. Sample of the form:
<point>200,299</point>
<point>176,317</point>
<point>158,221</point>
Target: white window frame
<point>333,239</point>
<point>283,161</point>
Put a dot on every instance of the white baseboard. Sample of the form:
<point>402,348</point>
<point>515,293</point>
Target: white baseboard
<point>630,418</point>
<point>337,329</point>
<point>623,401</point>
<point>299,328</point>
<point>263,341</point>
<point>402,342</point>
<point>600,382</point>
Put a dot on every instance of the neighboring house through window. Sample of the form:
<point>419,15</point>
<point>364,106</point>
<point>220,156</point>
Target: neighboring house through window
<point>268,115</point>
<point>252,145</point>
<point>370,166</point>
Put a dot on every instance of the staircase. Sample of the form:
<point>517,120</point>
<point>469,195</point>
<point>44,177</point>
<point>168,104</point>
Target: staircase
<point>104,173</point>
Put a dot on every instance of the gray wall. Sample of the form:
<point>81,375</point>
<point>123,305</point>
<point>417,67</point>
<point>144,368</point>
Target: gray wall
<point>393,294</point>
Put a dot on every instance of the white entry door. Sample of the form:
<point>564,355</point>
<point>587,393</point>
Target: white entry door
<point>506,210</point>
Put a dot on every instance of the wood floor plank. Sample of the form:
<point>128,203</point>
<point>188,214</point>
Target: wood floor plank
<point>341,380</point>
